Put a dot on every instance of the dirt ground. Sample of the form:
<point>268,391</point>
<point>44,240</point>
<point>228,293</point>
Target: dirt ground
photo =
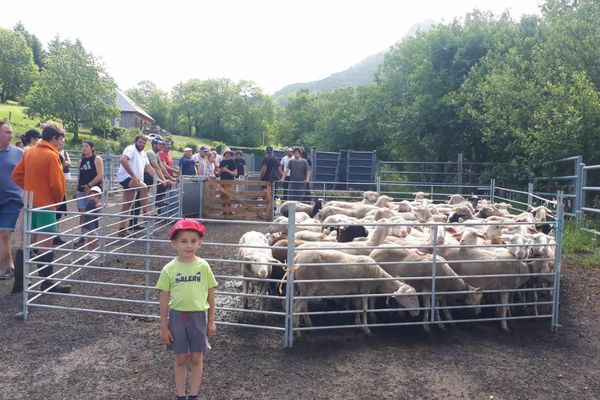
<point>63,355</point>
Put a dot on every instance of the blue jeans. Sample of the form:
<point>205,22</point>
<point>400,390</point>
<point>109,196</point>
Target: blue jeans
<point>9,214</point>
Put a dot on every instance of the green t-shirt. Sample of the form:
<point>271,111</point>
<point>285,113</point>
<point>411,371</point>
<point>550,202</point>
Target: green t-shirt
<point>187,284</point>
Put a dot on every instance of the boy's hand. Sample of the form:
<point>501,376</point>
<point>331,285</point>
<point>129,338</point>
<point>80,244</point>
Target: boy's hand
<point>166,337</point>
<point>211,329</point>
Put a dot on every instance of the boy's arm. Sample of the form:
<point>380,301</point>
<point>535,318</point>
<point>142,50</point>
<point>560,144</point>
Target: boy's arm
<point>211,326</point>
<point>165,334</point>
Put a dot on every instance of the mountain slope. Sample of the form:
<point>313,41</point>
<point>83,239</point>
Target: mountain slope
<point>359,74</point>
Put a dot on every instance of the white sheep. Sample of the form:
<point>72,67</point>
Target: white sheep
<point>405,263</point>
<point>493,262</point>
<point>377,237</point>
<point>353,268</point>
<point>256,264</point>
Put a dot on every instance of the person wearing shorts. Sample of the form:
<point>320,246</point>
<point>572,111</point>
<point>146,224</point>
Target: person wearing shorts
<point>41,172</point>
<point>11,198</point>
<point>134,162</point>
<point>187,305</point>
<point>91,172</point>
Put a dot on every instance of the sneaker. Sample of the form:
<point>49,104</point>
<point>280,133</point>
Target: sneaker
<point>6,273</point>
<point>57,241</point>
<point>79,243</point>
<point>90,257</point>
<point>125,233</point>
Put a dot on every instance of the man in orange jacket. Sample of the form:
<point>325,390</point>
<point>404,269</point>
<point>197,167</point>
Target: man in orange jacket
<point>40,172</point>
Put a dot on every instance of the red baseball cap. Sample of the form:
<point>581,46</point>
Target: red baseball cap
<point>187,225</point>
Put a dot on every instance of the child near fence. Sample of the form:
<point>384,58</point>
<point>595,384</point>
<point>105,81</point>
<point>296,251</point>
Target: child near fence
<point>187,297</point>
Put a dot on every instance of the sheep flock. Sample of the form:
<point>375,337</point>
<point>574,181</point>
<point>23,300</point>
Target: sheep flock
<point>412,261</point>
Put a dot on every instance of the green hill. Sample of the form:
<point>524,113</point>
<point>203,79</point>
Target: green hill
<point>15,114</point>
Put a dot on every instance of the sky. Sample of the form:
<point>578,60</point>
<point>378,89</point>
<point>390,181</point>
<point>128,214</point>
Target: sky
<point>271,42</point>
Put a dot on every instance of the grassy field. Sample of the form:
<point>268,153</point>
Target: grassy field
<point>21,123</point>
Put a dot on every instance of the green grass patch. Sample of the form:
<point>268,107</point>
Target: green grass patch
<point>15,114</point>
<point>582,246</point>
<point>20,122</point>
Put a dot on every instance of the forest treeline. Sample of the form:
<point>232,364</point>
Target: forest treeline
<point>509,93</point>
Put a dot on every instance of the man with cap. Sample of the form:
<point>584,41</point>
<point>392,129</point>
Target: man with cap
<point>268,168</point>
<point>282,168</point>
<point>241,165</point>
<point>187,166</point>
<point>159,168</point>
<point>227,167</point>
<point>201,161</point>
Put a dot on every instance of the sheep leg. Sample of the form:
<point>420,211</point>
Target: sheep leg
<point>371,317</point>
<point>364,301</point>
<point>298,306</point>
<point>503,310</point>
<point>307,320</point>
<point>535,299</point>
<point>263,291</point>
<point>437,315</point>
<point>244,298</point>
<point>447,314</point>
<point>427,306</point>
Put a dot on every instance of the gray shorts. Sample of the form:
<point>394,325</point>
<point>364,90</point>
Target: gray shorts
<point>189,331</point>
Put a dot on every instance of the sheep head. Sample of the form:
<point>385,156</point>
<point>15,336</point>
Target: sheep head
<point>407,297</point>
<point>261,266</point>
<point>370,197</point>
<point>474,298</point>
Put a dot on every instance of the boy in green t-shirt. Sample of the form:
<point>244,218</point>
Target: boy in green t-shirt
<point>187,295</point>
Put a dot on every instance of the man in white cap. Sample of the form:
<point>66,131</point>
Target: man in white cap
<point>187,166</point>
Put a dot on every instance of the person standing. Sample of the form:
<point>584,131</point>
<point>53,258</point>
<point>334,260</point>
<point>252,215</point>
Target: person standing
<point>227,173</point>
<point>187,305</point>
<point>241,165</point>
<point>91,173</point>
<point>11,198</point>
<point>41,172</point>
<point>282,166</point>
<point>161,171</point>
<point>30,138</point>
<point>134,162</point>
<point>268,168</point>
<point>187,166</point>
<point>201,160</point>
<point>299,176</point>
<point>165,156</point>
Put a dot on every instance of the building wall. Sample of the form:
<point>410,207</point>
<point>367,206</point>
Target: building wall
<point>132,120</point>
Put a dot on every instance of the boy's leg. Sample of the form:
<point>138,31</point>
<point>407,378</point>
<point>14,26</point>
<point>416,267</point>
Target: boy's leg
<point>197,361</point>
<point>180,373</point>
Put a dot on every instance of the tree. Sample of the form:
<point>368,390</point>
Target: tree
<point>152,100</point>
<point>73,87</point>
<point>17,69</point>
<point>34,44</point>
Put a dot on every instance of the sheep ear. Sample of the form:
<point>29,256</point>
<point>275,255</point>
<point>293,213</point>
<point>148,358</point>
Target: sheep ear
<point>457,235</point>
<point>451,229</point>
<point>274,260</point>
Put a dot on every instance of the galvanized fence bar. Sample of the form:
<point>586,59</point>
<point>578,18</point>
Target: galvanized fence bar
<point>154,226</point>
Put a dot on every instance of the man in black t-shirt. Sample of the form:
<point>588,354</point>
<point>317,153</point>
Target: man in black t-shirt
<point>227,168</point>
<point>268,168</point>
<point>240,163</point>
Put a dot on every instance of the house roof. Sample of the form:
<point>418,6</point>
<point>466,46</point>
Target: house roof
<point>125,104</point>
